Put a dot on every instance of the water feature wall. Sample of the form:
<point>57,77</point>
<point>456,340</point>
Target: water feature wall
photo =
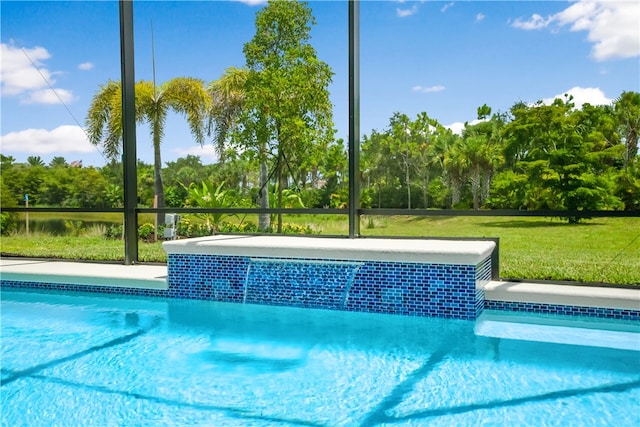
<point>410,277</point>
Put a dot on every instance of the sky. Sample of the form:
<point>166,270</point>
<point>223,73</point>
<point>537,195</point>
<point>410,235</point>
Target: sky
<point>443,58</point>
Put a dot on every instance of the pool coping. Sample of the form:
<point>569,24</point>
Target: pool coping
<point>80,273</point>
<point>154,277</point>
<point>370,249</point>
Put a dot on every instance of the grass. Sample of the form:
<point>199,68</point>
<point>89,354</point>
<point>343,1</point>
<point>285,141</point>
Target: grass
<point>84,247</point>
<point>601,250</point>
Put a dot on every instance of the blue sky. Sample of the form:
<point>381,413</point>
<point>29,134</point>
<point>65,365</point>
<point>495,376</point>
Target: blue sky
<point>444,58</point>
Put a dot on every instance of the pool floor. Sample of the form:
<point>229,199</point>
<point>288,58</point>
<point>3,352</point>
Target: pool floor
<point>94,360</point>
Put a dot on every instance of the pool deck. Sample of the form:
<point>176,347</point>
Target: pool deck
<point>155,277</point>
<point>84,273</point>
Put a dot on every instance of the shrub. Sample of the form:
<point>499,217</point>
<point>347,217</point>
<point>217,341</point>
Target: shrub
<point>113,232</point>
<point>186,227</point>
<point>245,227</point>
<point>146,231</point>
<point>74,228</point>
<point>296,229</point>
<point>8,222</point>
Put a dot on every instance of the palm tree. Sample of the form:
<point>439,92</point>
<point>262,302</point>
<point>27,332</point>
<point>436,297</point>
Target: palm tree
<point>627,112</point>
<point>58,161</point>
<point>184,95</point>
<point>229,95</point>
<point>35,161</point>
<point>457,165</point>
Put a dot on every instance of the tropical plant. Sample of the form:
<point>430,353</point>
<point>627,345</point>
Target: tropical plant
<point>627,113</point>
<point>35,161</point>
<point>114,196</point>
<point>289,198</point>
<point>228,96</point>
<point>183,95</point>
<point>206,196</point>
<point>58,162</point>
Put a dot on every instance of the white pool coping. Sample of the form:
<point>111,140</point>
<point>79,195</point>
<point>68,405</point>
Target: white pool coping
<point>81,273</point>
<point>155,277</point>
<point>583,296</point>
<point>369,249</point>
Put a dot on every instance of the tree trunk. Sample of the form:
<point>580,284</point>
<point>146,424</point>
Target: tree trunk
<point>408,188</point>
<point>157,170</point>
<point>632,147</point>
<point>279,180</point>
<point>486,186</point>
<point>475,188</point>
<point>455,192</point>
<point>425,189</point>
<point>264,219</point>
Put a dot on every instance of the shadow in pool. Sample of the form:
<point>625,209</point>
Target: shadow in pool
<point>560,394</point>
<point>231,361</point>
<point>236,413</point>
<point>379,414</point>
<point>15,375</point>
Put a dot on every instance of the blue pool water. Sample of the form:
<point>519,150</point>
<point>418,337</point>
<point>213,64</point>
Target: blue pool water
<point>80,360</point>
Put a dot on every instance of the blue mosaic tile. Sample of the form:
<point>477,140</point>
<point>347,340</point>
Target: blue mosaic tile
<point>441,290</point>
<point>567,310</point>
<point>83,288</point>
<point>207,277</point>
<point>299,284</point>
<point>438,290</point>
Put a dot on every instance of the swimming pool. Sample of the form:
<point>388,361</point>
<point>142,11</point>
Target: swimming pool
<point>105,360</point>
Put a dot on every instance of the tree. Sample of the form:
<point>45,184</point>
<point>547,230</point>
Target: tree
<point>627,113</point>
<point>228,95</point>
<point>457,165</point>
<point>375,164</point>
<point>560,158</point>
<point>334,171</point>
<point>183,95</point>
<point>402,147</point>
<point>6,161</point>
<point>35,161</point>
<point>483,148</point>
<point>287,112</point>
<point>58,162</point>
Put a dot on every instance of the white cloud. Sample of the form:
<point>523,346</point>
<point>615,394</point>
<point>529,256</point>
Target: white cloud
<point>445,7</point>
<point>205,152</point>
<point>535,23</point>
<point>403,13</point>
<point>612,27</point>
<point>430,89</point>
<point>48,96</point>
<point>17,74</point>
<point>86,66</point>
<point>63,139</point>
<point>582,95</point>
<point>480,17</point>
<point>458,127</point>
<point>252,2</point>
<point>24,75</point>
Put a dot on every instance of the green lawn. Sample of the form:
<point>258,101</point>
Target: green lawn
<point>600,250</point>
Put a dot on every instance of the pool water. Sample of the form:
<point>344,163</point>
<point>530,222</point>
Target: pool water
<point>80,360</point>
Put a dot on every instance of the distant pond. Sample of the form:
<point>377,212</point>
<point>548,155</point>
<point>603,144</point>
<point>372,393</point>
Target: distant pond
<point>60,227</point>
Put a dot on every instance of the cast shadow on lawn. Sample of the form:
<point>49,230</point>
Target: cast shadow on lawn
<point>536,224</point>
